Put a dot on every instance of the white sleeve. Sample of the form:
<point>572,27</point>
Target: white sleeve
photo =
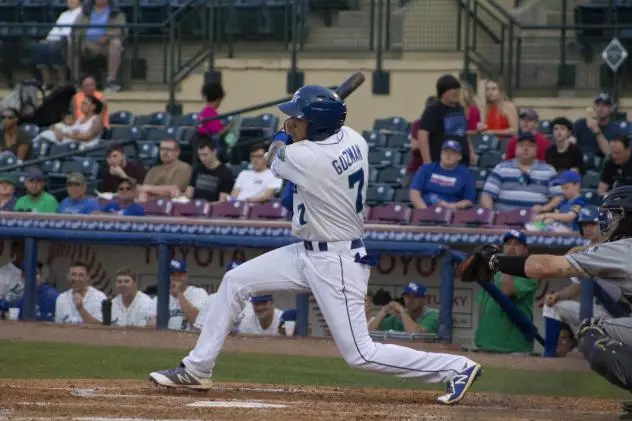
<point>151,309</point>
<point>59,307</point>
<point>274,183</point>
<point>198,299</point>
<point>94,307</point>
<point>239,180</point>
<point>293,163</point>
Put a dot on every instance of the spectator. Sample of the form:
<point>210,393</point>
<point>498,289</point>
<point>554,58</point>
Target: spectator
<point>97,40</point>
<point>413,317</point>
<point>36,199</point>
<point>117,167</point>
<point>210,180</point>
<point>618,166</point>
<point>567,211</point>
<point>131,307</point>
<point>472,112</point>
<point>214,94</point>
<point>523,182</point>
<point>86,130</point>
<point>443,119</point>
<point>595,130</point>
<point>496,332</point>
<point>7,191</point>
<point>263,318</point>
<point>564,154</point>
<point>125,205</point>
<point>77,201</point>
<point>49,52</point>
<point>45,299</point>
<point>501,115</point>
<point>415,157</point>
<point>82,302</point>
<point>11,286</point>
<point>168,179</point>
<point>15,140</point>
<point>185,301</point>
<point>446,183</point>
<point>259,184</point>
<point>89,87</point>
<point>529,123</point>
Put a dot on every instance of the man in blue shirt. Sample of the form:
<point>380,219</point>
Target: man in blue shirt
<point>44,302</point>
<point>594,131</point>
<point>125,205</point>
<point>446,183</point>
<point>77,202</point>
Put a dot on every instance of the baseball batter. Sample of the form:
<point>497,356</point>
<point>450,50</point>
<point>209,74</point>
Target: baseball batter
<point>328,165</point>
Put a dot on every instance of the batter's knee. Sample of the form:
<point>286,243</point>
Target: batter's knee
<point>608,357</point>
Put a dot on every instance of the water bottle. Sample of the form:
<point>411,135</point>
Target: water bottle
<point>106,310</point>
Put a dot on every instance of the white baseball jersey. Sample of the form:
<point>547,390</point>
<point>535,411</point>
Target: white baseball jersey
<point>250,323</point>
<point>252,183</point>
<point>66,311</point>
<point>177,319</point>
<point>331,180</point>
<point>11,285</point>
<point>142,309</point>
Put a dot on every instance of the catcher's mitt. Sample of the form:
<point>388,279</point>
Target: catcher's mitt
<point>475,267</point>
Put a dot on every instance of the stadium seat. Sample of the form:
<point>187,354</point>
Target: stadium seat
<point>393,213</point>
<point>232,210</point>
<point>85,166</point>
<point>194,208</point>
<point>184,135</point>
<point>402,195</point>
<point>184,120</point>
<point>484,143</point>
<point>31,129</point>
<point>159,119</point>
<point>267,122</point>
<point>474,216</point>
<point>52,166</point>
<point>56,8</point>
<point>122,119</point>
<point>392,175</point>
<point>398,141</point>
<point>148,153</point>
<point>269,210</point>
<point>490,159</point>
<point>7,160</point>
<point>379,194</point>
<point>10,10</point>
<point>391,124</point>
<point>591,161</point>
<point>592,197</point>
<point>56,148</point>
<point>385,157</point>
<point>155,133</point>
<point>40,149</point>
<point>432,215</point>
<point>154,11</point>
<point>545,127</point>
<point>590,180</point>
<point>160,207</point>
<point>375,139</point>
<point>515,218</point>
<point>625,127</point>
<point>503,146</point>
<point>479,175</point>
<point>123,133</point>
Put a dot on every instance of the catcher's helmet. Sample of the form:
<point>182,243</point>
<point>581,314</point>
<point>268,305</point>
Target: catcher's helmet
<point>618,199</point>
<point>616,212</point>
<point>588,214</point>
<point>321,107</point>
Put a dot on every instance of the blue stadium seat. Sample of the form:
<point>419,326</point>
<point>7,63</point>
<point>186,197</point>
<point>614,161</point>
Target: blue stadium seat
<point>122,118</point>
<point>160,119</point>
<point>184,120</point>
<point>485,142</point>
<point>374,173</point>
<point>148,152</point>
<point>40,149</point>
<point>385,157</point>
<point>31,129</point>
<point>592,197</point>
<point>378,194</point>
<point>124,133</point>
<point>55,148</point>
<point>392,175</point>
<point>391,124</point>
<point>625,127</point>
<point>375,139</point>
<point>87,166</point>
<point>490,159</point>
<point>7,160</point>
<point>237,168</point>
<point>184,136</point>
<point>267,122</point>
<point>545,127</point>
<point>56,8</point>
<point>591,161</point>
<point>51,166</point>
<point>10,10</point>
<point>590,180</point>
<point>154,11</point>
<point>34,32</point>
<point>398,141</point>
<point>402,195</point>
<point>479,175</point>
<point>154,133</point>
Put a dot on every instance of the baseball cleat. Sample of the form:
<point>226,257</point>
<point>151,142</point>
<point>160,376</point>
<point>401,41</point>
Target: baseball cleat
<point>180,378</point>
<point>460,384</point>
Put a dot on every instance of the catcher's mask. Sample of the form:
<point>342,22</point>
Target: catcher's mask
<point>615,218</point>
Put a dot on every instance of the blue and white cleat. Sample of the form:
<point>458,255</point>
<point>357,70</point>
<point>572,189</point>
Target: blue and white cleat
<point>460,384</point>
<point>180,378</point>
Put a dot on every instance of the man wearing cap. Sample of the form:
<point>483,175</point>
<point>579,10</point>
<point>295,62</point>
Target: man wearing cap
<point>413,317</point>
<point>443,119</point>
<point>36,199</point>
<point>125,205</point>
<point>77,202</point>
<point>445,183</point>
<point>263,319</point>
<point>185,301</point>
<point>617,168</point>
<point>523,182</point>
<point>496,332</point>
<point>7,191</point>
<point>594,131</point>
<point>564,154</point>
<point>529,123</point>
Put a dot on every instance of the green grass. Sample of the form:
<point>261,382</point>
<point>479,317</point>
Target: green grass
<point>41,360</point>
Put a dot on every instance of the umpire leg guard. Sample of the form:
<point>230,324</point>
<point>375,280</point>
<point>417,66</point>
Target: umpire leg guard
<point>606,356</point>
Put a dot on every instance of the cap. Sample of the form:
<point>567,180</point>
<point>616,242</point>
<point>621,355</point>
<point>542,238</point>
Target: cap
<point>529,114</point>
<point>287,315</point>
<point>258,299</point>
<point>603,98</point>
<point>6,177</point>
<point>232,265</point>
<point>414,289</point>
<point>570,176</point>
<point>452,144</point>
<point>35,173</point>
<point>520,236</point>
<point>562,121</point>
<point>77,178</point>
<point>177,266</point>
<point>526,136</point>
<point>445,83</point>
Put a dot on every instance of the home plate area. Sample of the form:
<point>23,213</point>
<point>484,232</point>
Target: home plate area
<point>133,400</point>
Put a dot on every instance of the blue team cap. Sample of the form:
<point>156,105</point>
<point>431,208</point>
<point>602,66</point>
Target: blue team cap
<point>520,236</point>
<point>260,299</point>
<point>570,176</point>
<point>177,266</point>
<point>452,144</point>
<point>287,315</point>
<point>232,265</point>
<point>415,289</point>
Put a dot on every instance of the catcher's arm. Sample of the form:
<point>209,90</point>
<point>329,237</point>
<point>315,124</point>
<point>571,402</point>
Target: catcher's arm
<point>544,266</point>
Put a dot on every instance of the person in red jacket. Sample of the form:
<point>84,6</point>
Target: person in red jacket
<point>529,122</point>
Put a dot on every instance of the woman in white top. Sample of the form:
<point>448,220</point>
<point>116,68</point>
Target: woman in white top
<point>49,52</point>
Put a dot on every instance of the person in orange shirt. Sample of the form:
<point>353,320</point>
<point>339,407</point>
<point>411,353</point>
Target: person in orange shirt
<point>501,115</point>
<point>89,87</point>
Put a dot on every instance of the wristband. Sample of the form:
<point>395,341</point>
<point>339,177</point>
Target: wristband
<point>511,265</point>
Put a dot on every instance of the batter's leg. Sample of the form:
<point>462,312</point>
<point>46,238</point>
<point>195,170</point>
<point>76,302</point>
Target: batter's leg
<point>339,285</point>
<point>276,270</point>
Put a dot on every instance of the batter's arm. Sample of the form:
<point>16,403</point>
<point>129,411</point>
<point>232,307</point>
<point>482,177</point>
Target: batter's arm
<point>569,292</point>
<point>272,152</point>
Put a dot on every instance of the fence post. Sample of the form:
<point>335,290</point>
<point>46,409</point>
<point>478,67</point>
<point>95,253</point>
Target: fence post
<point>302,314</point>
<point>164,257</point>
<point>30,281</point>
<point>446,296</point>
<point>466,50</point>
<point>381,78</point>
<point>295,77</point>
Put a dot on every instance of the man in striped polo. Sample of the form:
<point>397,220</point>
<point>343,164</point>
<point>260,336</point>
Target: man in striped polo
<point>523,182</point>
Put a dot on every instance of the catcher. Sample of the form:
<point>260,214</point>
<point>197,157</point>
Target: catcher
<point>605,343</point>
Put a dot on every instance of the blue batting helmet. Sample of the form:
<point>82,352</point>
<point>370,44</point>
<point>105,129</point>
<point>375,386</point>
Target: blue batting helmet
<point>321,107</point>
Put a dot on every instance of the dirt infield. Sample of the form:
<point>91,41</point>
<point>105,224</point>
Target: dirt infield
<point>127,400</point>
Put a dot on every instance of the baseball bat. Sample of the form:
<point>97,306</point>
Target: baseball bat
<point>349,86</point>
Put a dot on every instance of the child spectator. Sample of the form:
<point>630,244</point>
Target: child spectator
<point>214,94</point>
<point>565,216</point>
